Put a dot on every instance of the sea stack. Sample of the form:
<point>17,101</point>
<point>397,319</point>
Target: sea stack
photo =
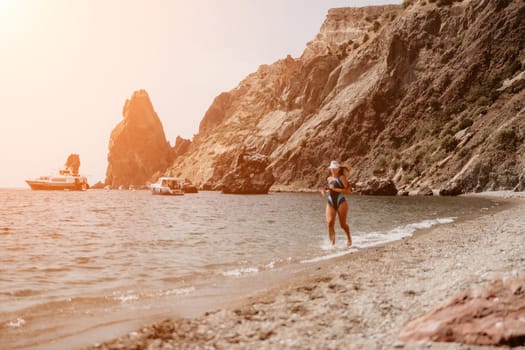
<point>137,147</point>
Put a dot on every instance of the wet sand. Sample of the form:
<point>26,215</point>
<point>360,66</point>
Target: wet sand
<point>361,300</point>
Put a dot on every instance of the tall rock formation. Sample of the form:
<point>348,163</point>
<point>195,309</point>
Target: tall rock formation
<point>430,95</point>
<point>73,163</point>
<point>138,148</point>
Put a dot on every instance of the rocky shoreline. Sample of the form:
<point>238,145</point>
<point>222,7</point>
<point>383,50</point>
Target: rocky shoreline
<point>361,300</point>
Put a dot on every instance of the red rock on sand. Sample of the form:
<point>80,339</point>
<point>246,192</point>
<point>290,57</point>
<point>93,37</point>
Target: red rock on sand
<point>489,315</point>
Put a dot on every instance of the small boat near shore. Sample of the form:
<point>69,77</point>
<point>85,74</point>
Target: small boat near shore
<point>65,180</point>
<point>168,186</point>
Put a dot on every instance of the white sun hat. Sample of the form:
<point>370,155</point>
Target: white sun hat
<point>334,165</point>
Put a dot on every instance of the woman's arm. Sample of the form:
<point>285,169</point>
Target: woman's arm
<point>347,189</point>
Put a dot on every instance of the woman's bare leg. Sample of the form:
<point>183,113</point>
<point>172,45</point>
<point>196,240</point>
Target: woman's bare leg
<point>343,211</point>
<point>330,220</point>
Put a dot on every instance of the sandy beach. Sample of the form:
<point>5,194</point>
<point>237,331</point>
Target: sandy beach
<point>361,300</point>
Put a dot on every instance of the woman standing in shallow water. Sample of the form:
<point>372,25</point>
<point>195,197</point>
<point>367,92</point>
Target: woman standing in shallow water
<point>337,205</point>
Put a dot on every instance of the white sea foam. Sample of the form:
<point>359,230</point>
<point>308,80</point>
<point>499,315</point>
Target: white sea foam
<point>240,271</point>
<point>19,322</point>
<point>175,291</point>
<point>270,265</point>
<point>178,291</point>
<point>331,256</point>
<point>124,298</point>
<point>372,239</point>
<point>327,246</point>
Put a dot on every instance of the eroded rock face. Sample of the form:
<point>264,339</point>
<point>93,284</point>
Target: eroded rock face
<point>216,113</point>
<point>376,187</point>
<point>491,315</point>
<point>138,148</point>
<point>250,175</point>
<point>425,191</point>
<point>181,146</point>
<point>344,29</point>
<point>452,188</point>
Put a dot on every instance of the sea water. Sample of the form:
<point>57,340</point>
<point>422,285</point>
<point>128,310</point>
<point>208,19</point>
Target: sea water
<point>104,256</point>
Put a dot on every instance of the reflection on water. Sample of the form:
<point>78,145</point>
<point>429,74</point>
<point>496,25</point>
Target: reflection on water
<point>72,249</point>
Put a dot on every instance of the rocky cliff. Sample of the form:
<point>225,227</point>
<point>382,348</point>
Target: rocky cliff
<point>429,94</point>
<point>137,147</point>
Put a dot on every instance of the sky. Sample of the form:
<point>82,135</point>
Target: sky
<point>68,66</point>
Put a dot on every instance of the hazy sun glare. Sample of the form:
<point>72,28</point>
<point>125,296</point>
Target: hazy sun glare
<point>14,16</point>
<point>6,8</point>
<point>8,16</point>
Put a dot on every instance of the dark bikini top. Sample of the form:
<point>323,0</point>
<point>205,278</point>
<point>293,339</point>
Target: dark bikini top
<point>337,182</point>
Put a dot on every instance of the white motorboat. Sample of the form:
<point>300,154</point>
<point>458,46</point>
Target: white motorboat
<point>64,180</point>
<point>170,186</point>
